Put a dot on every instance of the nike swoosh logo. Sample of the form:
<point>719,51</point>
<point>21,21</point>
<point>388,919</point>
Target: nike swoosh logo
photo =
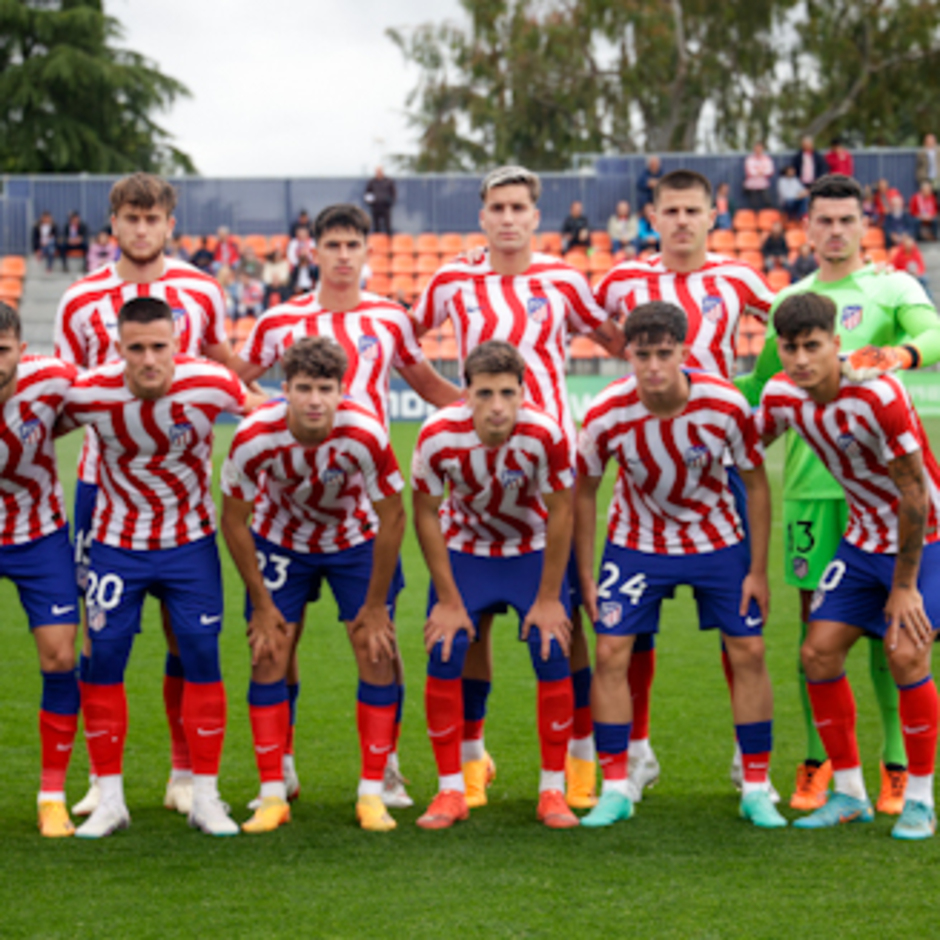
<point>379,750</point>
<point>208,732</point>
<point>920,729</point>
<point>266,750</point>
<point>561,727</point>
<point>441,734</point>
<point>823,723</point>
<point>849,817</point>
<point>94,734</point>
<point>753,621</point>
<point>205,621</point>
<point>65,748</point>
<point>58,611</point>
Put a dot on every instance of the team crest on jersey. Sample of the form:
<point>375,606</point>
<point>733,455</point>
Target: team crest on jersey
<point>851,316</point>
<point>332,476</point>
<point>31,432</point>
<point>848,445</point>
<point>800,567</point>
<point>369,348</point>
<point>512,479</point>
<point>182,435</point>
<point>611,614</point>
<point>697,457</point>
<point>537,309</point>
<point>180,319</point>
<point>713,308</point>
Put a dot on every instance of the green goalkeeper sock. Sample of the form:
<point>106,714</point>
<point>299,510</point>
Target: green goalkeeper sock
<point>814,746</point>
<point>886,691</point>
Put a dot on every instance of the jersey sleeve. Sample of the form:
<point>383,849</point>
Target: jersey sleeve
<point>592,448</point>
<point>584,313</point>
<point>556,473</point>
<point>380,472</point>
<point>757,296</point>
<point>215,317</point>
<point>770,420</point>
<point>68,343</point>
<point>918,318</point>
<point>744,441</point>
<point>237,480</point>
<point>425,477</point>
<point>259,348</point>
<point>430,311</point>
<point>898,426</point>
<point>407,350</point>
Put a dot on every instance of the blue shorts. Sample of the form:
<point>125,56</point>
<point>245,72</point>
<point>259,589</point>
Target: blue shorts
<point>294,578</point>
<point>86,495</point>
<point>574,582</point>
<point>187,580</point>
<point>36,569</point>
<point>493,585</point>
<point>739,493</point>
<point>633,585</point>
<point>855,586</point>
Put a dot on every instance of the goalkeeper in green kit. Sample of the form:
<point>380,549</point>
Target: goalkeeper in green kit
<point>885,321</point>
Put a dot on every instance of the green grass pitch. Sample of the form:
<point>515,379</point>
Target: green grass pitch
<point>685,866</point>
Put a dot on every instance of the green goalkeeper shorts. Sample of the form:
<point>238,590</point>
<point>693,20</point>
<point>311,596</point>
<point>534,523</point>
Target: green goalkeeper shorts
<point>812,531</point>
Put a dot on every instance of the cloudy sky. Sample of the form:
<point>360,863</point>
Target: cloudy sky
<point>283,87</point>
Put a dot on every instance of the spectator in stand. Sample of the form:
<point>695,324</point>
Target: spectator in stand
<point>202,257</point>
<point>250,293</point>
<point>74,238</point>
<point>622,227</point>
<point>897,222</point>
<point>869,209</point>
<point>303,267</point>
<point>380,196</point>
<point>45,239</point>
<point>758,174</point>
<point>774,249</point>
<point>882,200</point>
<point>226,278</point>
<point>923,208</point>
<point>927,169</point>
<point>174,248</point>
<point>804,263</point>
<point>907,257</point>
<point>101,251</point>
<point>839,160</point>
<point>647,237</point>
<point>646,182</point>
<point>792,195</point>
<point>808,163</point>
<point>275,275</point>
<point>724,207</point>
<point>575,230</point>
<point>250,263</point>
<point>226,254</point>
<point>302,221</point>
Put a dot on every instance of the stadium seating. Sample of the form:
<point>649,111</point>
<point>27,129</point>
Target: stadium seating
<point>744,220</point>
<point>13,266</point>
<point>779,278</point>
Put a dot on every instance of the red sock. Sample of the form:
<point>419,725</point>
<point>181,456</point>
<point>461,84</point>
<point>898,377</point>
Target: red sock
<point>729,672</point>
<point>918,708</point>
<point>173,704</point>
<point>443,706</point>
<point>56,734</point>
<point>204,714</point>
<point>640,676</point>
<point>555,719</point>
<point>376,731</point>
<point>269,725</point>
<point>834,716</point>
<point>756,766</point>
<point>104,708</point>
<point>613,766</point>
<point>473,730</point>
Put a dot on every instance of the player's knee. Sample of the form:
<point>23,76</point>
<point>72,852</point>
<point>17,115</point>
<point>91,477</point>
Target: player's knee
<point>907,663</point>
<point>818,663</point>
<point>200,656</point>
<point>453,668</point>
<point>612,655</point>
<point>108,661</point>
<point>746,653</point>
<point>556,666</point>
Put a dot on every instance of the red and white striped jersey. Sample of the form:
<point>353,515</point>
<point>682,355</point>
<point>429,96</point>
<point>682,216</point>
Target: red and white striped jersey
<point>312,499</point>
<point>86,322</point>
<point>671,496</point>
<point>377,336</point>
<point>533,311</point>
<point>714,298</point>
<point>155,467</point>
<point>856,435</point>
<point>495,505</point>
<point>31,501</point>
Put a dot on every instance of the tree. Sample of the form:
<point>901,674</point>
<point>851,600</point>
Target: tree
<point>72,102</point>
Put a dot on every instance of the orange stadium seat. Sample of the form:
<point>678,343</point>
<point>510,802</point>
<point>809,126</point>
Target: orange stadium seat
<point>13,266</point>
<point>600,262</point>
<point>779,278</point>
<point>721,240</point>
<point>11,287</point>
<point>873,238</point>
<point>795,238</point>
<point>257,243</point>
<point>448,349</point>
<point>451,244</point>
<point>747,240</point>
<point>551,243</point>
<point>378,284</point>
<point>279,241</point>
<point>404,283</point>
<point>744,220</point>
<point>600,240</point>
<point>578,260</point>
<point>430,344</point>
<point>475,240</point>
<point>428,244</point>
<point>421,282</point>
<point>403,244</point>
<point>754,258</point>
<point>211,242</point>
<point>379,241</point>
<point>428,264</point>
<point>403,264</point>
<point>229,327</point>
<point>379,263</point>
<point>243,328</point>
<point>189,243</point>
<point>583,348</point>
<point>766,219</point>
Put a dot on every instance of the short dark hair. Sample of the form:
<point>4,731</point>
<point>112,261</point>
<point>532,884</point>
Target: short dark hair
<point>654,321</point>
<point>145,310</point>
<point>835,186</point>
<point>343,215</point>
<point>494,357</point>
<point>143,191</point>
<point>803,313</point>
<point>683,179</point>
<point>317,357</point>
<point>10,321</point>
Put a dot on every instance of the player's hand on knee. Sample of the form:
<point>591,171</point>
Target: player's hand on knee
<point>552,620</point>
<point>755,587</point>
<point>267,630</point>
<point>905,608</point>
<point>377,630</point>
<point>443,624</point>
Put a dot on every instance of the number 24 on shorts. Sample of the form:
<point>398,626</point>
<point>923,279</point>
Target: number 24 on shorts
<point>634,587</point>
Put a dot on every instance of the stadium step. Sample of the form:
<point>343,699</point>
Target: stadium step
<point>42,291</point>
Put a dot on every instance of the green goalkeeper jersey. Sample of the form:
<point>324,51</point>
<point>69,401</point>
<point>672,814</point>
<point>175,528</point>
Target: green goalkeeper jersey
<point>872,308</point>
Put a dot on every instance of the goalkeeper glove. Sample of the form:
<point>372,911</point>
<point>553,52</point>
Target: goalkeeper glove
<point>871,361</point>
